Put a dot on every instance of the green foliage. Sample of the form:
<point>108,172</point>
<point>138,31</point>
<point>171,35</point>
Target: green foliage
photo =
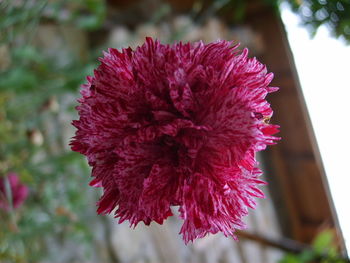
<point>53,173</point>
<point>24,15</point>
<point>323,250</point>
<point>37,95</point>
<point>86,14</point>
<point>335,14</point>
<point>15,18</point>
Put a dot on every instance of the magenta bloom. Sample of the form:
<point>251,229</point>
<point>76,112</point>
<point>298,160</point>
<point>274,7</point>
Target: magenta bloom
<point>176,125</point>
<point>19,192</point>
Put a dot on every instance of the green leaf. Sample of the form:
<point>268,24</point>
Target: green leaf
<point>290,258</point>
<point>324,241</point>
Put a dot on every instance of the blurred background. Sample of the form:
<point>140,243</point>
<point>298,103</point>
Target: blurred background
<point>48,47</point>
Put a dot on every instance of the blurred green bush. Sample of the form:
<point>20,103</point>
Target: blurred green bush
<point>38,88</point>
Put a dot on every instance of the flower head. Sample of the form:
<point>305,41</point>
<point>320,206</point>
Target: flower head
<point>11,187</point>
<point>176,125</point>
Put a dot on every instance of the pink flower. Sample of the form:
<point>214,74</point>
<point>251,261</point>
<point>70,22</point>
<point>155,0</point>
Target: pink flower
<point>176,125</point>
<point>18,191</point>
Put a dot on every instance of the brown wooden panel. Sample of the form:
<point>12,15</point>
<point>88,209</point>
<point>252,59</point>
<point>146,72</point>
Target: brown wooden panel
<point>289,114</point>
<point>310,195</point>
<point>294,161</point>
